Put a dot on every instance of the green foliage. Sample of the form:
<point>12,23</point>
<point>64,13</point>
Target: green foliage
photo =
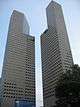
<point>67,90</point>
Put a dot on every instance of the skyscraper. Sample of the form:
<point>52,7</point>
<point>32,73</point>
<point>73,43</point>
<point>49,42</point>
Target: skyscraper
<point>18,74</point>
<point>55,51</point>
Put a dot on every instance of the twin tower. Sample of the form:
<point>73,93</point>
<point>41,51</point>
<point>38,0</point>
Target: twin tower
<point>18,74</point>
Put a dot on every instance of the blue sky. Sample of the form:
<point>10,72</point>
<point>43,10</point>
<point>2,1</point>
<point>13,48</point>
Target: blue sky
<point>36,16</point>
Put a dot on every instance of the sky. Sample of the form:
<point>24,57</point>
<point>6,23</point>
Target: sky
<point>35,12</point>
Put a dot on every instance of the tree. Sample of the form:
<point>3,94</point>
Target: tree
<point>67,90</point>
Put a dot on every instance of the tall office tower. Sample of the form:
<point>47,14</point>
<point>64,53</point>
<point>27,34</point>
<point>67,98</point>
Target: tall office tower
<point>18,74</point>
<point>0,92</point>
<point>55,51</point>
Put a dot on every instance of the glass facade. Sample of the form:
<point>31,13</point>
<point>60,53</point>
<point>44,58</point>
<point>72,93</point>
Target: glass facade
<point>24,103</point>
